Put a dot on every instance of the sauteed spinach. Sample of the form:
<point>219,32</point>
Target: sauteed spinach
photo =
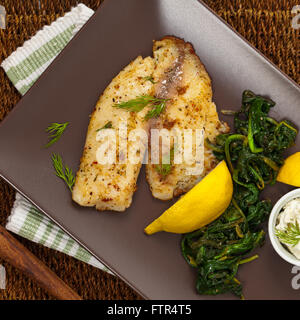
<point>254,154</point>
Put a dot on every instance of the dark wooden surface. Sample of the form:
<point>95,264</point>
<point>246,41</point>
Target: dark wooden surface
<point>14,253</point>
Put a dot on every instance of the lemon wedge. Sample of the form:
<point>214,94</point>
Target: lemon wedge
<point>289,173</point>
<point>200,206</point>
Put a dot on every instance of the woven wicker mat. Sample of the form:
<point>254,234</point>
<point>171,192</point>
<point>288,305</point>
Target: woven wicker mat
<point>265,23</point>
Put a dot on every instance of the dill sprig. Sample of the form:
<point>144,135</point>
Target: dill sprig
<point>65,173</point>
<point>290,235</point>
<point>156,110</point>
<point>108,125</point>
<point>138,104</point>
<point>55,130</point>
<point>150,78</point>
<point>165,168</point>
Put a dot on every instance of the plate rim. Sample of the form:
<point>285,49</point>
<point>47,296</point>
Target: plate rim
<point>49,68</point>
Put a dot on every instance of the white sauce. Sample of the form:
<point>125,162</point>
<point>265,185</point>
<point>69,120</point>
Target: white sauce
<point>290,214</point>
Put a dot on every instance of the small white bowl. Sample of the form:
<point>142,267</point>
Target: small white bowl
<point>279,248</point>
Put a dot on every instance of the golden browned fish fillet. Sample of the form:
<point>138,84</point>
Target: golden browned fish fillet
<point>181,77</point>
<point>111,186</point>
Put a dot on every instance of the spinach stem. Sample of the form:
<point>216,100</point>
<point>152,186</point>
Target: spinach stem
<point>213,147</point>
<point>228,112</point>
<point>271,120</point>
<point>261,183</point>
<point>270,163</point>
<point>252,145</point>
<point>249,259</point>
<point>227,147</point>
<point>240,211</point>
<point>239,231</point>
<point>284,123</point>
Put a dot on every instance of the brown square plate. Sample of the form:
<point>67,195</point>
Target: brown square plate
<point>68,91</point>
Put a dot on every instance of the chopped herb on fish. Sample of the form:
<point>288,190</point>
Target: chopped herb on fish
<point>166,166</point>
<point>108,125</point>
<point>150,78</point>
<point>156,110</point>
<point>138,104</point>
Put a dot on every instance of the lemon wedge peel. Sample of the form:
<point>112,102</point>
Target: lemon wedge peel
<point>289,173</point>
<point>200,206</point>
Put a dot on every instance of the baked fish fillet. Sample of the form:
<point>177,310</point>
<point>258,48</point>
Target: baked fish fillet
<point>181,77</point>
<point>111,186</point>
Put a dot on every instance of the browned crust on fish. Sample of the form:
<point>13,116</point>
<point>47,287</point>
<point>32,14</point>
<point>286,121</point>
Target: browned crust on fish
<point>176,183</point>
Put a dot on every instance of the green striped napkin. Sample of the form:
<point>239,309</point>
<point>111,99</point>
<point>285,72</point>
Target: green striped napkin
<point>23,67</point>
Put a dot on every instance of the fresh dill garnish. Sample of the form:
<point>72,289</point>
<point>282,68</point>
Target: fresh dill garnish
<point>165,168</point>
<point>149,78</point>
<point>135,105</point>
<point>138,104</point>
<point>290,235</point>
<point>156,110</point>
<point>65,173</point>
<point>55,130</point>
<point>108,125</point>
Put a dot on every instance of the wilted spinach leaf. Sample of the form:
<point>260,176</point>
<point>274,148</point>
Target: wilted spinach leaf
<point>254,154</point>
